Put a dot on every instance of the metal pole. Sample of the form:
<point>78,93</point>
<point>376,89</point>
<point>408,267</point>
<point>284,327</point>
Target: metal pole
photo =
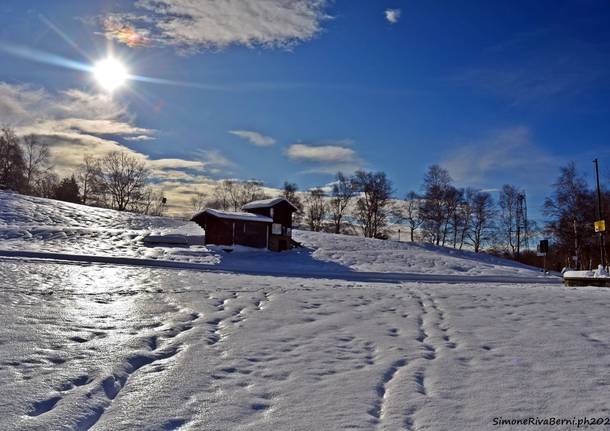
<point>576,250</point>
<point>599,210</point>
<point>544,263</point>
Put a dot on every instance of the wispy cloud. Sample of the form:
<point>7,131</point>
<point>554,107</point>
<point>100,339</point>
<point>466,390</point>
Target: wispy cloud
<point>215,162</point>
<point>255,138</point>
<point>193,25</point>
<point>393,15</point>
<point>502,156</point>
<point>326,157</point>
<point>320,153</point>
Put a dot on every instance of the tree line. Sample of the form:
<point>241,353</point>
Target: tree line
<point>571,210</point>
<point>117,180</point>
<point>440,213</point>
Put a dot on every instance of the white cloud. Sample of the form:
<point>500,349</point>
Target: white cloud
<point>74,123</point>
<point>72,111</point>
<point>320,153</point>
<point>139,138</point>
<point>393,15</point>
<point>175,164</point>
<point>503,156</point>
<point>254,138</point>
<point>200,24</point>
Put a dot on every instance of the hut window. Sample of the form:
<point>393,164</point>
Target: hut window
<point>244,228</point>
<point>276,229</point>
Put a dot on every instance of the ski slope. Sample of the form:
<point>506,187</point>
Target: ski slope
<point>98,346</point>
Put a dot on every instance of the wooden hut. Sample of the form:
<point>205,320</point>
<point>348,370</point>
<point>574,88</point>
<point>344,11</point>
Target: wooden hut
<point>280,210</point>
<point>262,224</point>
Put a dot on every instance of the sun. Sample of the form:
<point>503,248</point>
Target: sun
<point>110,74</point>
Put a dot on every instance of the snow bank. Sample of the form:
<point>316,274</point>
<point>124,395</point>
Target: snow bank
<point>600,272</point>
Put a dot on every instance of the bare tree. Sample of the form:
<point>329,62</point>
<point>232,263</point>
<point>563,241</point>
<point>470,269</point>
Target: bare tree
<point>150,202</point>
<point>123,177</point>
<point>570,209</point>
<point>221,200</point>
<point>47,184</point>
<point>434,212</point>
<point>343,191</point>
<point>452,201</point>
<point>289,191</point>
<point>462,219</point>
<point>315,209</point>
<point>372,206</point>
<point>199,202</point>
<point>411,213</point>
<point>88,179</point>
<point>514,221</point>
<point>11,161</point>
<point>482,214</point>
<point>36,157</point>
<point>234,194</point>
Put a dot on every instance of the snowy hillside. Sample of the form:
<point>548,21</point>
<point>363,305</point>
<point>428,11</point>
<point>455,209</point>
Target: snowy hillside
<point>364,254</point>
<point>35,224</point>
<point>342,334</point>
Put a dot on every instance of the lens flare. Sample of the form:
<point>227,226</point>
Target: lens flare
<point>110,74</point>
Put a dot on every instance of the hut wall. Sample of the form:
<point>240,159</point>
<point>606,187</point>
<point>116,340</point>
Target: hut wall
<point>282,214</point>
<point>218,231</point>
<point>251,234</point>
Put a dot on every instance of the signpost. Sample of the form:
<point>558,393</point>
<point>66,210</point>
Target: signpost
<point>543,249</point>
<point>600,224</point>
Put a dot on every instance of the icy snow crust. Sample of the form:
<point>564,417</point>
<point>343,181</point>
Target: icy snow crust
<point>106,347</point>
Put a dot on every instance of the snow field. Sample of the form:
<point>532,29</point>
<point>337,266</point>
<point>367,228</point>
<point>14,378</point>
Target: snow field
<point>106,347</point>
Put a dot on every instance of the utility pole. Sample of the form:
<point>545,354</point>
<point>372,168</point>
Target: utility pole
<point>599,212</point>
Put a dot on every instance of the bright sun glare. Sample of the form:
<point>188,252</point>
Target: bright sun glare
<point>110,74</point>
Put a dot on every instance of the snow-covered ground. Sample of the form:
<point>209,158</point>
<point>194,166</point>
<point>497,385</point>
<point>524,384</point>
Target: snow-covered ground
<point>127,347</point>
<point>41,225</point>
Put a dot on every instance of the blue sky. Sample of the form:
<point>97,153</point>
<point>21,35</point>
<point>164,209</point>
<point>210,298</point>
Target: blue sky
<point>494,91</point>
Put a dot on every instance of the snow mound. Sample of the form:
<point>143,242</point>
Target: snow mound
<point>600,272</point>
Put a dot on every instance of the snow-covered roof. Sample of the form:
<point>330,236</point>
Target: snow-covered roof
<point>267,203</point>
<point>234,215</point>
